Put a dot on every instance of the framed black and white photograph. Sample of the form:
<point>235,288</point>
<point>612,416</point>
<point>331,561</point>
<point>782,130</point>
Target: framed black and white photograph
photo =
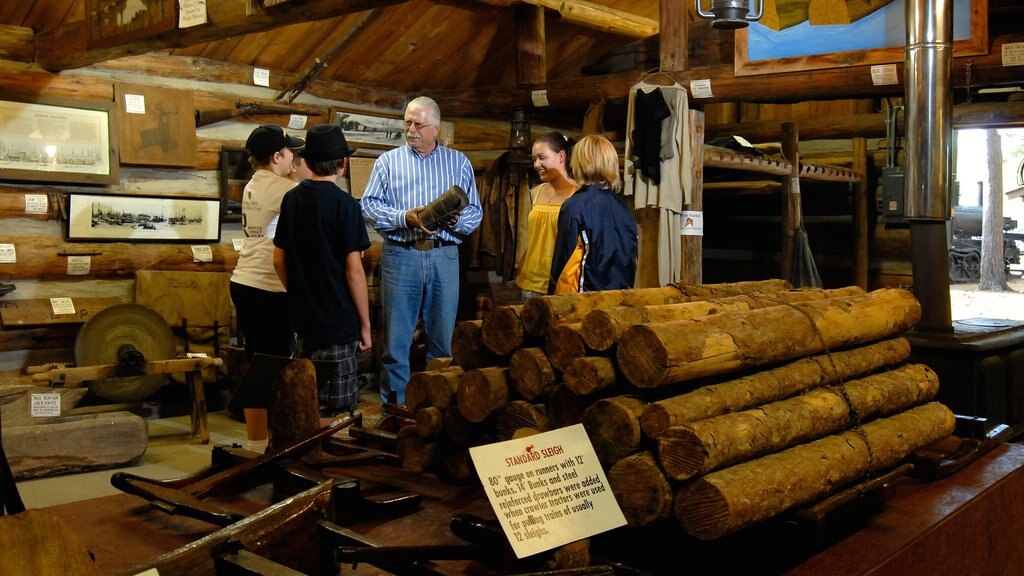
<point>116,218</point>
<point>58,140</point>
<point>370,131</point>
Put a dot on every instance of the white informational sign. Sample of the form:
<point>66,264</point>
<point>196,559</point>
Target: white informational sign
<point>261,77</point>
<point>540,98</point>
<point>36,204</point>
<point>135,103</point>
<point>191,13</point>
<point>701,88</point>
<point>884,75</point>
<point>1013,54</point>
<point>196,355</point>
<point>202,253</point>
<point>7,254</point>
<point>45,405</point>
<point>693,223</point>
<point>79,265</point>
<point>62,306</point>
<point>547,489</point>
<point>297,122</point>
<point>238,244</point>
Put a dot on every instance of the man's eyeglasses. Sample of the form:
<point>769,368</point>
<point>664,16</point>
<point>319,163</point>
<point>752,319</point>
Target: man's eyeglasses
<point>418,125</point>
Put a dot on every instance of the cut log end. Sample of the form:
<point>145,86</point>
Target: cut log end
<point>502,330</point>
<point>642,358</point>
<point>642,491</point>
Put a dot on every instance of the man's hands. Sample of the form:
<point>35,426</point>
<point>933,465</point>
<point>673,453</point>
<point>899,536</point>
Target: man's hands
<point>412,220</point>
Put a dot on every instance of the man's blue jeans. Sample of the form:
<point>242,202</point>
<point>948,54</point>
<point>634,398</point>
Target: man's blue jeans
<point>415,282</point>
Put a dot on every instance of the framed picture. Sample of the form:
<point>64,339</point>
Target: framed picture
<point>116,21</point>
<point>157,125</point>
<point>876,35</point>
<point>117,218</point>
<point>371,131</point>
<point>58,141</point>
<point>235,172</point>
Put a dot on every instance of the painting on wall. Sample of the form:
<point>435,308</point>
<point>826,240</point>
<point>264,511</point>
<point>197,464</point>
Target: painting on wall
<point>58,141</point>
<point>119,218</point>
<point>115,21</point>
<point>157,125</point>
<point>845,34</point>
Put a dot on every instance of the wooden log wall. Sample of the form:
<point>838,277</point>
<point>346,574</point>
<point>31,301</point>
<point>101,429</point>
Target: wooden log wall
<point>691,444</point>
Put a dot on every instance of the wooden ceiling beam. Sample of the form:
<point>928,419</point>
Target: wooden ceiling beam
<point>531,55</point>
<point>828,84</point>
<point>594,16</point>
<point>67,48</point>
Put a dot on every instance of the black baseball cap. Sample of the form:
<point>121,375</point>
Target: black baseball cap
<point>267,139</point>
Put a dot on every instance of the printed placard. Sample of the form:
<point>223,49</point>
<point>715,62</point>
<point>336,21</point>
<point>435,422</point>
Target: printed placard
<point>539,98</point>
<point>46,404</point>
<point>1013,54</point>
<point>693,223</point>
<point>62,306</point>
<point>196,355</point>
<point>8,254</point>
<point>79,265</point>
<point>36,204</point>
<point>261,77</point>
<point>238,244</point>
<point>191,13</point>
<point>884,75</point>
<point>202,253</point>
<point>297,121</point>
<point>135,103</point>
<point>701,88</point>
<point>547,489</point>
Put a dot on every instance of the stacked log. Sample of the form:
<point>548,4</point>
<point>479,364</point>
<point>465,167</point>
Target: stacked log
<point>633,366</point>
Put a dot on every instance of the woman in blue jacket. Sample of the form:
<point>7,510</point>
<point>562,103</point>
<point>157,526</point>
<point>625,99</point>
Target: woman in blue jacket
<point>596,246</point>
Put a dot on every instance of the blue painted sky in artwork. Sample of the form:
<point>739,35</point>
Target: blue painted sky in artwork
<point>884,28</point>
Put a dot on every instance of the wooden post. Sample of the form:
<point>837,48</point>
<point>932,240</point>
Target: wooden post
<point>691,251</point>
<point>790,191</point>
<point>861,223</point>
<point>531,66</point>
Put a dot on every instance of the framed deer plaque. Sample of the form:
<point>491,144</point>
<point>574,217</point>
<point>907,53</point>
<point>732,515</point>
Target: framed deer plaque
<point>157,125</point>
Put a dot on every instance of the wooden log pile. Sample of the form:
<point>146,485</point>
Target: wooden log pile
<point>719,405</point>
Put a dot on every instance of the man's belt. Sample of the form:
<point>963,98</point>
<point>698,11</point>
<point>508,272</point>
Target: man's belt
<point>425,244</point>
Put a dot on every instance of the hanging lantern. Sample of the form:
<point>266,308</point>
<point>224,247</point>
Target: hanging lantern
<point>519,138</point>
<point>732,14</point>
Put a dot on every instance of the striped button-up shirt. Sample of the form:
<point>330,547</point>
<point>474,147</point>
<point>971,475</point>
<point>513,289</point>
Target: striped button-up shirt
<point>401,180</point>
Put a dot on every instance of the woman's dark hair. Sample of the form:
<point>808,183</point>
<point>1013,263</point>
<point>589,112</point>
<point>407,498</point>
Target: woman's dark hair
<point>559,142</point>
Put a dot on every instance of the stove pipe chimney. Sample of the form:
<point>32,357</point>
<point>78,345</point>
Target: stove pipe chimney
<point>929,137</point>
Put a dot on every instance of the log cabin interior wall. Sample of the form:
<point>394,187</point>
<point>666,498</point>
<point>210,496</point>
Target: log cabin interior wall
<point>481,60</point>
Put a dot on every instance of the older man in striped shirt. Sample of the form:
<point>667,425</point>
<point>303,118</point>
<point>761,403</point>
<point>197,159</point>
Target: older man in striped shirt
<point>419,266</point>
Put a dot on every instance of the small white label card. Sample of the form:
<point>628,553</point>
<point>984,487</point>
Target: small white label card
<point>46,404</point>
<point>191,13</point>
<point>62,306</point>
<point>297,121</point>
<point>150,572</point>
<point>701,88</point>
<point>7,253</point>
<point>540,98</point>
<point>79,265</point>
<point>547,489</point>
<point>202,253</point>
<point>238,244</point>
<point>196,355</point>
<point>884,75</point>
<point>693,223</point>
<point>135,103</point>
<point>36,204</point>
<point>261,77</point>
<point>1013,54</point>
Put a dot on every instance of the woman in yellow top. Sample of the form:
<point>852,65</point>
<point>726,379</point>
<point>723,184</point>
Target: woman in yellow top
<point>551,158</point>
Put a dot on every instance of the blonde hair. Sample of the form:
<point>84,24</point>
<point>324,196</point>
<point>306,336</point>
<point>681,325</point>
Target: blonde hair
<point>595,161</point>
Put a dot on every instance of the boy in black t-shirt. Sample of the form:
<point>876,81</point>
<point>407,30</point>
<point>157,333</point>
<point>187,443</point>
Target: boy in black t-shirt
<point>318,256</point>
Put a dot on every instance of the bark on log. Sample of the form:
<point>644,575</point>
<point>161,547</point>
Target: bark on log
<point>700,447</point>
<point>770,385</point>
<point>603,328</point>
<point>434,388</point>
<point>483,392</point>
<point>502,329</point>
<point>416,453</point>
<point>468,350</point>
<point>294,409</point>
<point>651,355</point>
<point>565,344</point>
<point>565,408</point>
<point>613,425</point>
<point>589,374</point>
<point>429,422</point>
<point>541,314</point>
<point>723,502</point>
<point>641,489</point>
<point>519,414</point>
<point>74,444</point>
<point>531,373</point>
<point>16,404</point>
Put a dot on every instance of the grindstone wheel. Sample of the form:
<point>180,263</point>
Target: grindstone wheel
<point>133,325</point>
